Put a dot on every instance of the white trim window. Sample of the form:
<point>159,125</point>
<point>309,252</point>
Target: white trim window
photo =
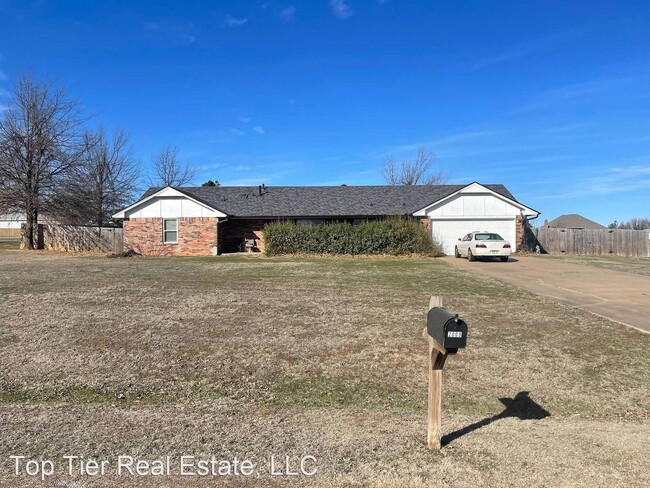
<point>310,222</point>
<point>170,231</point>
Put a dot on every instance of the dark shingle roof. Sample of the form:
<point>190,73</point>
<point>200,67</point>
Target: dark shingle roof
<point>322,201</point>
<point>574,221</point>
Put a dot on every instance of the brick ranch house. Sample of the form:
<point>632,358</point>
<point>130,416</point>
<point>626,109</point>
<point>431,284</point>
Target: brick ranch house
<point>193,221</point>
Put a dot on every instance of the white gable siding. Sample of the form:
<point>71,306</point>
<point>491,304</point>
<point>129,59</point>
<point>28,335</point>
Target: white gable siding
<point>473,205</point>
<point>171,208</point>
<point>470,209</point>
<point>168,203</point>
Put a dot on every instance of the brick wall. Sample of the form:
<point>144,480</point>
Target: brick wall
<point>520,233</point>
<point>197,236</point>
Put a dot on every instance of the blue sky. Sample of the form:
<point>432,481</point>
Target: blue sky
<point>550,98</point>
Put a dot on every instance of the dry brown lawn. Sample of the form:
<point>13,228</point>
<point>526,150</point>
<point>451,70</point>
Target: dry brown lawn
<point>617,263</point>
<point>250,357</point>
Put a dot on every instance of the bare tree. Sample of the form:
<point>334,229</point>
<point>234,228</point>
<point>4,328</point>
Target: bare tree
<point>106,180</point>
<point>418,170</point>
<point>635,223</point>
<point>41,143</point>
<point>168,169</point>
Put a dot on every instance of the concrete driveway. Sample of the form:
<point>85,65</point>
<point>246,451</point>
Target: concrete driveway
<point>619,296</point>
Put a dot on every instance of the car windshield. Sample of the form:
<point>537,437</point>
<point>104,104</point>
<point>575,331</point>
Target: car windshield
<point>488,237</point>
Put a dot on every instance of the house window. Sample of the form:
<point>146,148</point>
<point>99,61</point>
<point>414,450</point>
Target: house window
<point>310,221</point>
<point>170,231</point>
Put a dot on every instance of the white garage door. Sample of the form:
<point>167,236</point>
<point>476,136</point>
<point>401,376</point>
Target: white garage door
<point>447,232</point>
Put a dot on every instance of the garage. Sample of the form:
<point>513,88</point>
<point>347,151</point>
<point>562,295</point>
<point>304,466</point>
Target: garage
<point>475,208</point>
<point>447,232</point>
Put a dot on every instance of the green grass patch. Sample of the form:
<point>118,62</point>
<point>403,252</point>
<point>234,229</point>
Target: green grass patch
<point>71,394</point>
<point>320,392</point>
<point>9,244</point>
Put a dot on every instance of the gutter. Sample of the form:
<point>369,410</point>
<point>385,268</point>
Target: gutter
<point>524,221</point>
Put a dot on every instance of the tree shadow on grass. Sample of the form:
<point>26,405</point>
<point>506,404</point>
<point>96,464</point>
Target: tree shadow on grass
<point>521,406</point>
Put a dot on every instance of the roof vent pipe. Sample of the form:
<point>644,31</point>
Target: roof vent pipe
<point>260,189</point>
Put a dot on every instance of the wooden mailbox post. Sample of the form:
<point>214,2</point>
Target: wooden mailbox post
<point>452,333</point>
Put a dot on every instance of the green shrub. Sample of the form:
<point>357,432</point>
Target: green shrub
<point>391,236</point>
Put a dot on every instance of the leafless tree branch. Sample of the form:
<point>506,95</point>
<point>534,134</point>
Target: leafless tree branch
<point>418,170</point>
<point>635,223</point>
<point>106,180</point>
<point>41,143</point>
<point>168,170</point>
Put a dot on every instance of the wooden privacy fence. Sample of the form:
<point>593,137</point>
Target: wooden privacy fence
<point>58,237</point>
<point>9,233</point>
<point>616,242</point>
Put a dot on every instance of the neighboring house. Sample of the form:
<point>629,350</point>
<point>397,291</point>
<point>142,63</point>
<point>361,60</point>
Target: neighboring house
<point>15,220</point>
<point>11,221</point>
<point>214,220</point>
<point>10,225</point>
<point>573,221</point>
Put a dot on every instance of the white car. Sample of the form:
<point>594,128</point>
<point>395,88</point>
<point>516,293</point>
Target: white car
<point>483,245</point>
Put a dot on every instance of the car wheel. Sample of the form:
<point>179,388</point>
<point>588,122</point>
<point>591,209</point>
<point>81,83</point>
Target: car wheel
<point>470,256</point>
<point>504,259</point>
<point>456,253</point>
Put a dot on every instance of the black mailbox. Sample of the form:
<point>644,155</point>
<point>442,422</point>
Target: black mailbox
<point>447,329</point>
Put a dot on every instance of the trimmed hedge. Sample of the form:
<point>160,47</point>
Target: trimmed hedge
<point>391,236</point>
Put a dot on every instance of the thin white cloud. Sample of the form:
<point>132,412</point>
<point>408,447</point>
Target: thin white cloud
<point>492,149</point>
<point>572,93</point>
<point>341,9</point>
<point>237,132</point>
<point>539,160</point>
<point>630,140</point>
<point>235,22</point>
<point>242,167</point>
<point>511,54</point>
<point>487,171</point>
<point>632,171</point>
<point>567,128</point>
<point>463,136</point>
<point>288,14</point>
<point>434,144</point>
<point>245,120</point>
<point>525,49</point>
<point>170,33</point>
<point>2,76</point>
<point>504,57</point>
<point>258,129</point>
<point>191,154</point>
<point>206,167</point>
<point>605,182</point>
